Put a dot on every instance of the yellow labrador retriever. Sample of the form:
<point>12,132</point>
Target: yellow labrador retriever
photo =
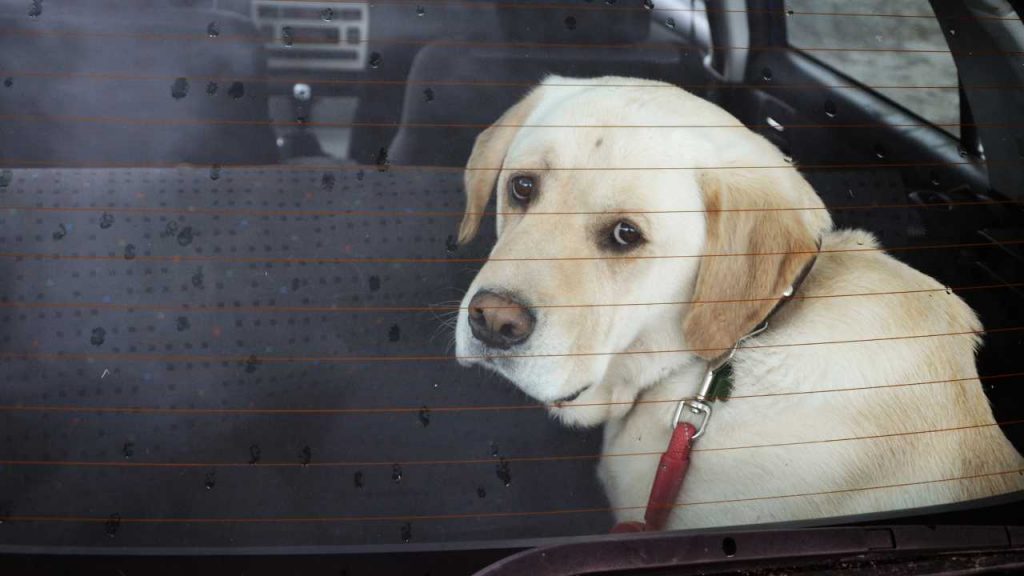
<point>642,232</point>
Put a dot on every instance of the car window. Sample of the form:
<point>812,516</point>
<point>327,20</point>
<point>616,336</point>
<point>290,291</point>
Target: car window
<point>901,53</point>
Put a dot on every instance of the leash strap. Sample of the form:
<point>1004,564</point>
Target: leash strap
<point>668,481</point>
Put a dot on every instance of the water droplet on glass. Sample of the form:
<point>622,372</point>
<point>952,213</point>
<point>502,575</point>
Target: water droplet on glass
<point>420,11</point>
<point>236,90</point>
<point>327,181</point>
<point>949,290</point>
<point>436,385</point>
<point>670,23</point>
<point>850,193</point>
<point>254,453</point>
<point>6,177</point>
<point>480,492</point>
<point>61,232</point>
<point>961,151</point>
<point>396,473</point>
<point>179,88</point>
<point>376,60</point>
<point>360,175</point>
<point>788,159</point>
<point>830,109</point>
<point>128,450</point>
<point>98,336</point>
<point>182,323</point>
<point>36,8</point>
<point>185,236</point>
<point>197,278</point>
<point>424,416</point>
<point>451,244</point>
<point>951,29</point>
<point>306,455</point>
<point>789,12</point>
<point>766,74</point>
<point>211,88</point>
<point>394,333</point>
<point>609,2</point>
<point>211,480</point>
<point>327,14</point>
<point>212,30</point>
<point>570,23</point>
<point>129,252</point>
<point>215,172</point>
<point>106,220</point>
<point>879,152</point>
<point>287,36</point>
<point>406,532</point>
<point>8,82</point>
<point>251,363</point>
<point>649,4</point>
<point>382,159</point>
<point>428,95</point>
<point>357,479</point>
<point>494,450</point>
<point>504,472</point>
<point>112,525</point>
<point>374,283</point>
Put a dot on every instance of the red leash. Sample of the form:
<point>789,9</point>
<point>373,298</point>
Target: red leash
<point>668,481</point>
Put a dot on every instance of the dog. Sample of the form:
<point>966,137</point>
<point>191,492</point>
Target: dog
<point>642,232</point>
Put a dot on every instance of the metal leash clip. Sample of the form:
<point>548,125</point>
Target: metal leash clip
<point>701,405</point>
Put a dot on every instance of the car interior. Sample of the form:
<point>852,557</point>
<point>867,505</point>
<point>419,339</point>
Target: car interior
<point>228,255</point>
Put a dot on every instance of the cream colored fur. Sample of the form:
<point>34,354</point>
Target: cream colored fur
<point>630,356</point>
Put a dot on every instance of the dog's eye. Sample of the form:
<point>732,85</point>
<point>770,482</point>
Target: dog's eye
<point>521,188</point>
<point>625,234</point>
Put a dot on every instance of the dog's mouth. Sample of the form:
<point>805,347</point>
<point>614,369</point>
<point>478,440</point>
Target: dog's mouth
<point>566,399</point>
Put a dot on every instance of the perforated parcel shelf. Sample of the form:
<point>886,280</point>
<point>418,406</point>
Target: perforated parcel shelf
<point>199,289</point>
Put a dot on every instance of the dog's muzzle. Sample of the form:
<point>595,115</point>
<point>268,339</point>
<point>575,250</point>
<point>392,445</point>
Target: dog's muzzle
<point>499,321</point>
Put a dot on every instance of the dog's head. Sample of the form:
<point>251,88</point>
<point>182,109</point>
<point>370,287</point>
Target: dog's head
<point>639,228</point>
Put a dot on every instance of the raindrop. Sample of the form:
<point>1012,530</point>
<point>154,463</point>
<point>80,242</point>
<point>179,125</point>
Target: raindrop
<point>436,385</point>
<point>961,150</point>
<point>185,236</point>
<point>170,229</point>
<point>183,323</point>
<point>480,492</point>
<point>766,74</point>
<point>99,335</point>
<point>424,416</point>
<point>376,60</point>
<point>451,244</point>
<point>254,453</point>
<point>213,30</point>
<point>357,479</point>
<point>830,109</point>
<point>8,82</point>
<point>933,178</point>
<point>420,11</point>
<point>649,4</point>
<point>296,284</point>
<point>179,88</point>
<point>494,450</point>
<point>670,23</point>
<point>396,473</point>
<point>106,220</point>
<point>327,181</point>
<point>394,333</point>
<point>6,176</point>
<point>382,159</point>
<point>428,95</point>
<point>327,14</point>
<point>36,9</point>
<point>251,363</point>
<point>112,525</point>
<point>197,278</point>
<point>61,232</point>
<point>306,455</point>
<point>236,90</point>
<point>951,28</point>
<point>215,172</point>
<point>406,532</point>
<point>211,480</point>
<point>570,23</point>
<point>789,12</point>
<point>949,290</point>
<point>360,175</point>
<point>879,152</point>
<point>787,158</point>
<point>129,252</point>
<point>850,193</point>
<point>211,88</point>
<point>503,472</point>
<point>374,283</point>
<point>128,450</point>
<point>288,36</point>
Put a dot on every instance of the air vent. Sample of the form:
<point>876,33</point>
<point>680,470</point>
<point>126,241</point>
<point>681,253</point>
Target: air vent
<point>313,35</point>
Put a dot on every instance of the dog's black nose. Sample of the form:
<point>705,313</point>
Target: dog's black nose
<point>499,321</point>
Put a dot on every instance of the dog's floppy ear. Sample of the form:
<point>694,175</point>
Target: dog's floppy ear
<point>756,247</point>
<point>485,162</point>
